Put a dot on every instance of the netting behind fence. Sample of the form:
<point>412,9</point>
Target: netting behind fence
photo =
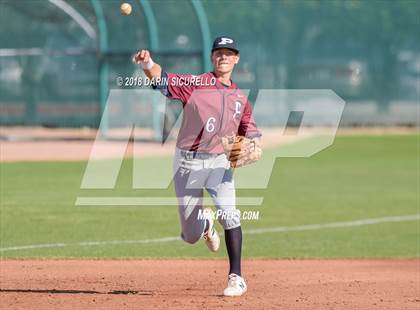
<point>51,52</point>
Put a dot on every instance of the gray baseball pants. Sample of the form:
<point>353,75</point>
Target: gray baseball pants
<point>194,172</point>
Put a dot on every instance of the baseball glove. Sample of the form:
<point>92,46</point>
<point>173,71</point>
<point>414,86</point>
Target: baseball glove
<point>241,151</point>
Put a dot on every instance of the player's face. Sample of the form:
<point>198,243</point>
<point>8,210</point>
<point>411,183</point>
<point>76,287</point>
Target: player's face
<point>224,60</point>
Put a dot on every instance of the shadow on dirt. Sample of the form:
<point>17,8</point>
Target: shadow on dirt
<point>54,291</point>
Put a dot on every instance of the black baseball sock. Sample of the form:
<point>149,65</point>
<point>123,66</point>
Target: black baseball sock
<point>233,239</point>
<point>207,226</point>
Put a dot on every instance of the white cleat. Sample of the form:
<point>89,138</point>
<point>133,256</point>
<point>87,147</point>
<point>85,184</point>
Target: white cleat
<point>211,236</point>
<point>236,286</point>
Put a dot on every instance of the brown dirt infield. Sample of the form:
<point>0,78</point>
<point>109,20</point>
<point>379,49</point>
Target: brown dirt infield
<point>198,284</point>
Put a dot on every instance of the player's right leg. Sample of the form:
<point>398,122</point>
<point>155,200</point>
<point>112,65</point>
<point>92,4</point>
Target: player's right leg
<point>189,178</point>
<point>211,235</point>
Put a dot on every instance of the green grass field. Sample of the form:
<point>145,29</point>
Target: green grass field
<point>359,177</point>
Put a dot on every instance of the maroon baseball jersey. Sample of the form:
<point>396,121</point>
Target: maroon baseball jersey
<point>211,111</point>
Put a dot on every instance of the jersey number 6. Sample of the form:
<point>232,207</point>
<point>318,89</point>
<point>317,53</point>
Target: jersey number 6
<point>210,124</point>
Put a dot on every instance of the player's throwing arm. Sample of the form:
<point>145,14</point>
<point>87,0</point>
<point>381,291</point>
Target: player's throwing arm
<point>152,70</point>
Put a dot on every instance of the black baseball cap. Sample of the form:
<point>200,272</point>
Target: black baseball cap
<point>225,42</point>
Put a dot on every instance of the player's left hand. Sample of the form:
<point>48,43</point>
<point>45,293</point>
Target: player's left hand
<point>241,151</point>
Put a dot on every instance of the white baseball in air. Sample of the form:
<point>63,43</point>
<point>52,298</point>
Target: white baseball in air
<point>126,8</point>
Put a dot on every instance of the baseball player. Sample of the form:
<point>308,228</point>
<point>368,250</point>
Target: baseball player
<point>215,113</point>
